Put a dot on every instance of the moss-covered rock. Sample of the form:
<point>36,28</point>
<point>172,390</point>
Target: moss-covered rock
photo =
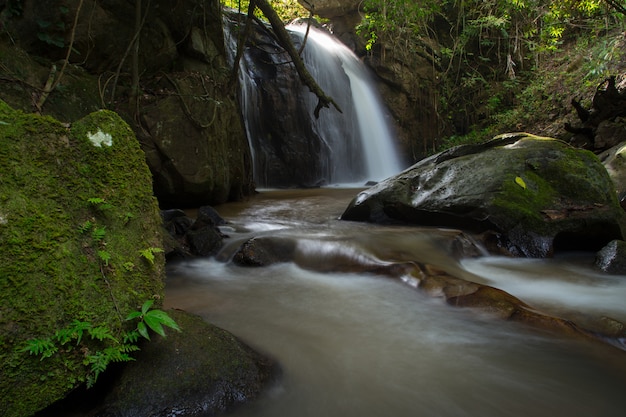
<point>534,193</point>
<point>76,210</point>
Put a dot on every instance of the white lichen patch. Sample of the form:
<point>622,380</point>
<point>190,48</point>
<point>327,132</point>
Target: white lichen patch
<point>100,138</point>
<point>3,220</point>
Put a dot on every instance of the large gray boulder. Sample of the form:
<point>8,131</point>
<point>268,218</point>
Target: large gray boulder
<point>531,195</point>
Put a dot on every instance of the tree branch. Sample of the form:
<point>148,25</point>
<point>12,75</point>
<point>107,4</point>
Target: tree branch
<point>285,41</point>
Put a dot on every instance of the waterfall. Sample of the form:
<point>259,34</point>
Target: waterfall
<point>290,146</point>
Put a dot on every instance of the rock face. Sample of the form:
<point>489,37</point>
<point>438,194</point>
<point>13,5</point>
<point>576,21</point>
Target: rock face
<point>202,371</point>
<point>614,160</point>
<point>186,115</point>
<point>344,16</point>
<point>292,146</point>
<point>76,212</point>
<point>531,195</point>
<point>406,79</point>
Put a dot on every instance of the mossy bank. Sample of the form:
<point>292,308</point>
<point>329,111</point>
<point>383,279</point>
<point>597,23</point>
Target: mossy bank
<point>80,233</point>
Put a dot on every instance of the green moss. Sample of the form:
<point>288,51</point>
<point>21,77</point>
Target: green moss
<point>517,204</point>
<point>556,177</point>
<point>50,273</point>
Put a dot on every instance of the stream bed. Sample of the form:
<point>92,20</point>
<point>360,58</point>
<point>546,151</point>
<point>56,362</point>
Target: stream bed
<point>361,344</point>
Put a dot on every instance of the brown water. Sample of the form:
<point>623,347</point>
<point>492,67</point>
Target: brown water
<point>365,345</point>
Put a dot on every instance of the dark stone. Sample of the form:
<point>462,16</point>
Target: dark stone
<point>176,222</point>
<point>530,195</point>
<point>201,371</point>
<point>205,241</point>
<point>602,125</point>
<point>187,119</point>
<point>612,258</point>
<point>263,251</point>
<point>209,216</point>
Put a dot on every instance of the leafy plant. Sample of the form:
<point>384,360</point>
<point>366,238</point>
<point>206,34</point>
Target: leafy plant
<point>148,253</point>
<point>104,256</point>
<point>153,319</point>
<point>97,344</point>
<point>40,347</point>
<point>98,233</point>
<point>85,226</point>
<point>99,203</point>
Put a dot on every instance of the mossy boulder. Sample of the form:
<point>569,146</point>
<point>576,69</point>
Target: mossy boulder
<point>80,239</point>
<point>530,194</point>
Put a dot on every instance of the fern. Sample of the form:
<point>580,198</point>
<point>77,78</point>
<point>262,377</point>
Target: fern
<point>98,363</point>
<point>98,233</point>
<point>85,227</point>
<point>99,203</point>
<point>74,331</point>
<point>43,347</point>
<point>148,254</point>
<point>101,333</point>
<point>103,348</point>
<point>104,256</point>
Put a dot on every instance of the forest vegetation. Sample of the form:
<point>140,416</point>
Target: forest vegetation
<point>503,64</point>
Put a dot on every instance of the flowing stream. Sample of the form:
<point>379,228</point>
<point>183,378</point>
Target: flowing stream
<point>361,344</point>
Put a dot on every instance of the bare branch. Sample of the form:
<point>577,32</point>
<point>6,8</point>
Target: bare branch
<point>285,41</point>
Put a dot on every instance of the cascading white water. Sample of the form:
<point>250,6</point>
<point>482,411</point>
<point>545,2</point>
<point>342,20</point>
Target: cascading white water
<point>330,59</point>
<point>350,147</point>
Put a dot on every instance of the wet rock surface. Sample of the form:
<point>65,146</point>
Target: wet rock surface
<point>612,258</point>
<point>438,283</point>
<point>531,195</point>
<point>201,371</point>
<point>186,237</point>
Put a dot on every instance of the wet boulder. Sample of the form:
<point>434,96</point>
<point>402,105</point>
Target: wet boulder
<point>530,195</point>
<point>612,258</point>
<point>201,371</point>
<point>264,251</point>
<point>187,237</point>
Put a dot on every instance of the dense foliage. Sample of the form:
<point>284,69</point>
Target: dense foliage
<point>288,10</point>
<point>477,45</point>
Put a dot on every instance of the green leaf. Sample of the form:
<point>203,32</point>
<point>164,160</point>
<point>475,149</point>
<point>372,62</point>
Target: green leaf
<point>134,315</point>
<point>146,306</point>
<point>143,330</point>
<point>131,337</point>
<point>154,323</point>
<point>96,201</point>
<point>163,318</point>
<point>85,227</point>
<point>519,181</point>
